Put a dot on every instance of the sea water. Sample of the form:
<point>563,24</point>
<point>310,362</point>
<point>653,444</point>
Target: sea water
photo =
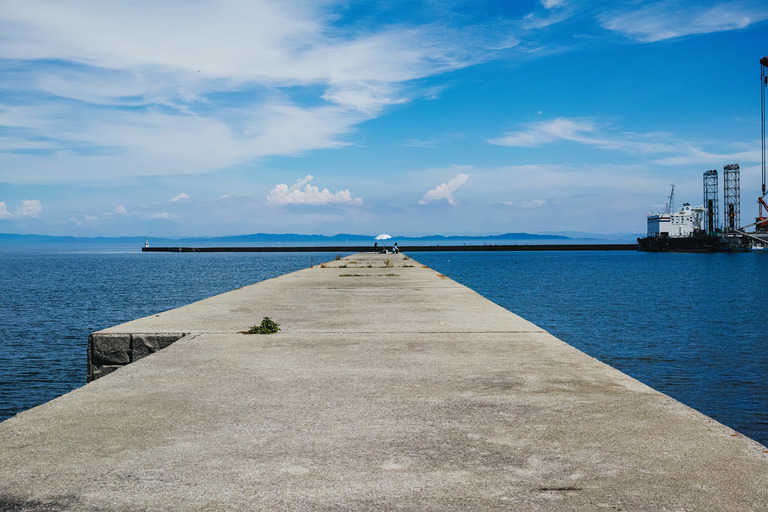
<point>690,325</point>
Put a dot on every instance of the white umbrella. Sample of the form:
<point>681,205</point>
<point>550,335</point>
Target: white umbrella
<point>383,236</point>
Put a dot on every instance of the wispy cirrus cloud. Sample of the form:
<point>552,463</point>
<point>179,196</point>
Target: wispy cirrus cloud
<point>693,154</point>
<point>556,11</point>
<point>588,131</point>
<point>667,20</point>
<point>660,148</point>
<point>174,90</point>
<point>543,132</point>
<point>302,192</point>
<point>161,84</point>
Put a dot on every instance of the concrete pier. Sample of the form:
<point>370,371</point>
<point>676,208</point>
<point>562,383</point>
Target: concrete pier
<point>388,387</point>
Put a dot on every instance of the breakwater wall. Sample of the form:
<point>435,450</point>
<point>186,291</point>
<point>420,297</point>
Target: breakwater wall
<point>406,248</point>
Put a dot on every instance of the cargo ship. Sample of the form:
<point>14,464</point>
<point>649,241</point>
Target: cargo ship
<point>684,230</point>
<point>679,231</point>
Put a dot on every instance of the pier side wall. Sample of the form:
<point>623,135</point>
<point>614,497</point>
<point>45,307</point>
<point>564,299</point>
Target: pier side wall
<point>108,351</point>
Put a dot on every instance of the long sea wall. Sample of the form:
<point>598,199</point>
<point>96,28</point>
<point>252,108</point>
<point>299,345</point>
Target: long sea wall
<point>406,248</point>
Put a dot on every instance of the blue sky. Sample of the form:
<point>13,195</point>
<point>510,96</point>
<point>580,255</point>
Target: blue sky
<point>197,117</point>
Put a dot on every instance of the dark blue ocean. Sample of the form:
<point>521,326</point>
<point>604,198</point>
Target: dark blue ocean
<point>689,325</point>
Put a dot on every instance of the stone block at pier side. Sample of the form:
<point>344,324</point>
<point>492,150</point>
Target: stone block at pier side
<point>376,394</point>
<point>99,371</point>
<point>145,344</point>
<point>110,348</point>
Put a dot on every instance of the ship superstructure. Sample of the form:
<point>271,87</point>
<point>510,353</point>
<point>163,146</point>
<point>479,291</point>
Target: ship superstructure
<point>684,222</point>
<point>680,230</point>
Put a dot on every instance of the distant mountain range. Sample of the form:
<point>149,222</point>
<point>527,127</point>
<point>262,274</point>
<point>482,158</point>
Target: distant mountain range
<point>134,243</point>
<point>291,237</point>
<point>14,241</point>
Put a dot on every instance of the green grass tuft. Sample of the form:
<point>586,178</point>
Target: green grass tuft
<point>268,326</point>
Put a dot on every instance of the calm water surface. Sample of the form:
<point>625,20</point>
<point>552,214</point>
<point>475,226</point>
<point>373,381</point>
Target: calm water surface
<point>689,325</point>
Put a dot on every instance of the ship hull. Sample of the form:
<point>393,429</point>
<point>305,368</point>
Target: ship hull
<point>703,243</point>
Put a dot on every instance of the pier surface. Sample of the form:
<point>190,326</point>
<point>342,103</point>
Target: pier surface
<point>388,387</point>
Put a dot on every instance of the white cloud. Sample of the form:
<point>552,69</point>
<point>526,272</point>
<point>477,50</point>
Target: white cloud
<point>163,215</point>
<point>584,131</point>
<point>4,213</point>
<point>557,11</point>
<point>590,132</point>
<point>301,82</point>
<point>180,197</point>
<point>543,132</point>
<point>420,143</point>
<point>29,208</point>
<point>263,41</point>
<point>535,203</point>
<point>302,192</point>
<point>667,20</point>
<point>167,143</point>
<point>445,190</point>
<point>120,210</point>
<point>551,4</point>
<point>693,155</point>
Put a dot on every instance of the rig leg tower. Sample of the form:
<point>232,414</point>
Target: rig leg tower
<point>711,209</point>
<point>731,198</point>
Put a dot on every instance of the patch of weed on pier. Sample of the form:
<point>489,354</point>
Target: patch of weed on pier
<point>268,326</point>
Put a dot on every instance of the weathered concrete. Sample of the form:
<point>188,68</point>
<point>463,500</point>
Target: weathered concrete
<point>387,388</point>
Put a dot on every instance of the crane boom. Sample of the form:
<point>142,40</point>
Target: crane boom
<point>763,84</point>
<point>762,220</point>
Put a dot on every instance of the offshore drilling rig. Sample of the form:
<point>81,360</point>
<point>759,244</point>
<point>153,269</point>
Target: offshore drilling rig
<point>698,228</point>
<point>731,235</point>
